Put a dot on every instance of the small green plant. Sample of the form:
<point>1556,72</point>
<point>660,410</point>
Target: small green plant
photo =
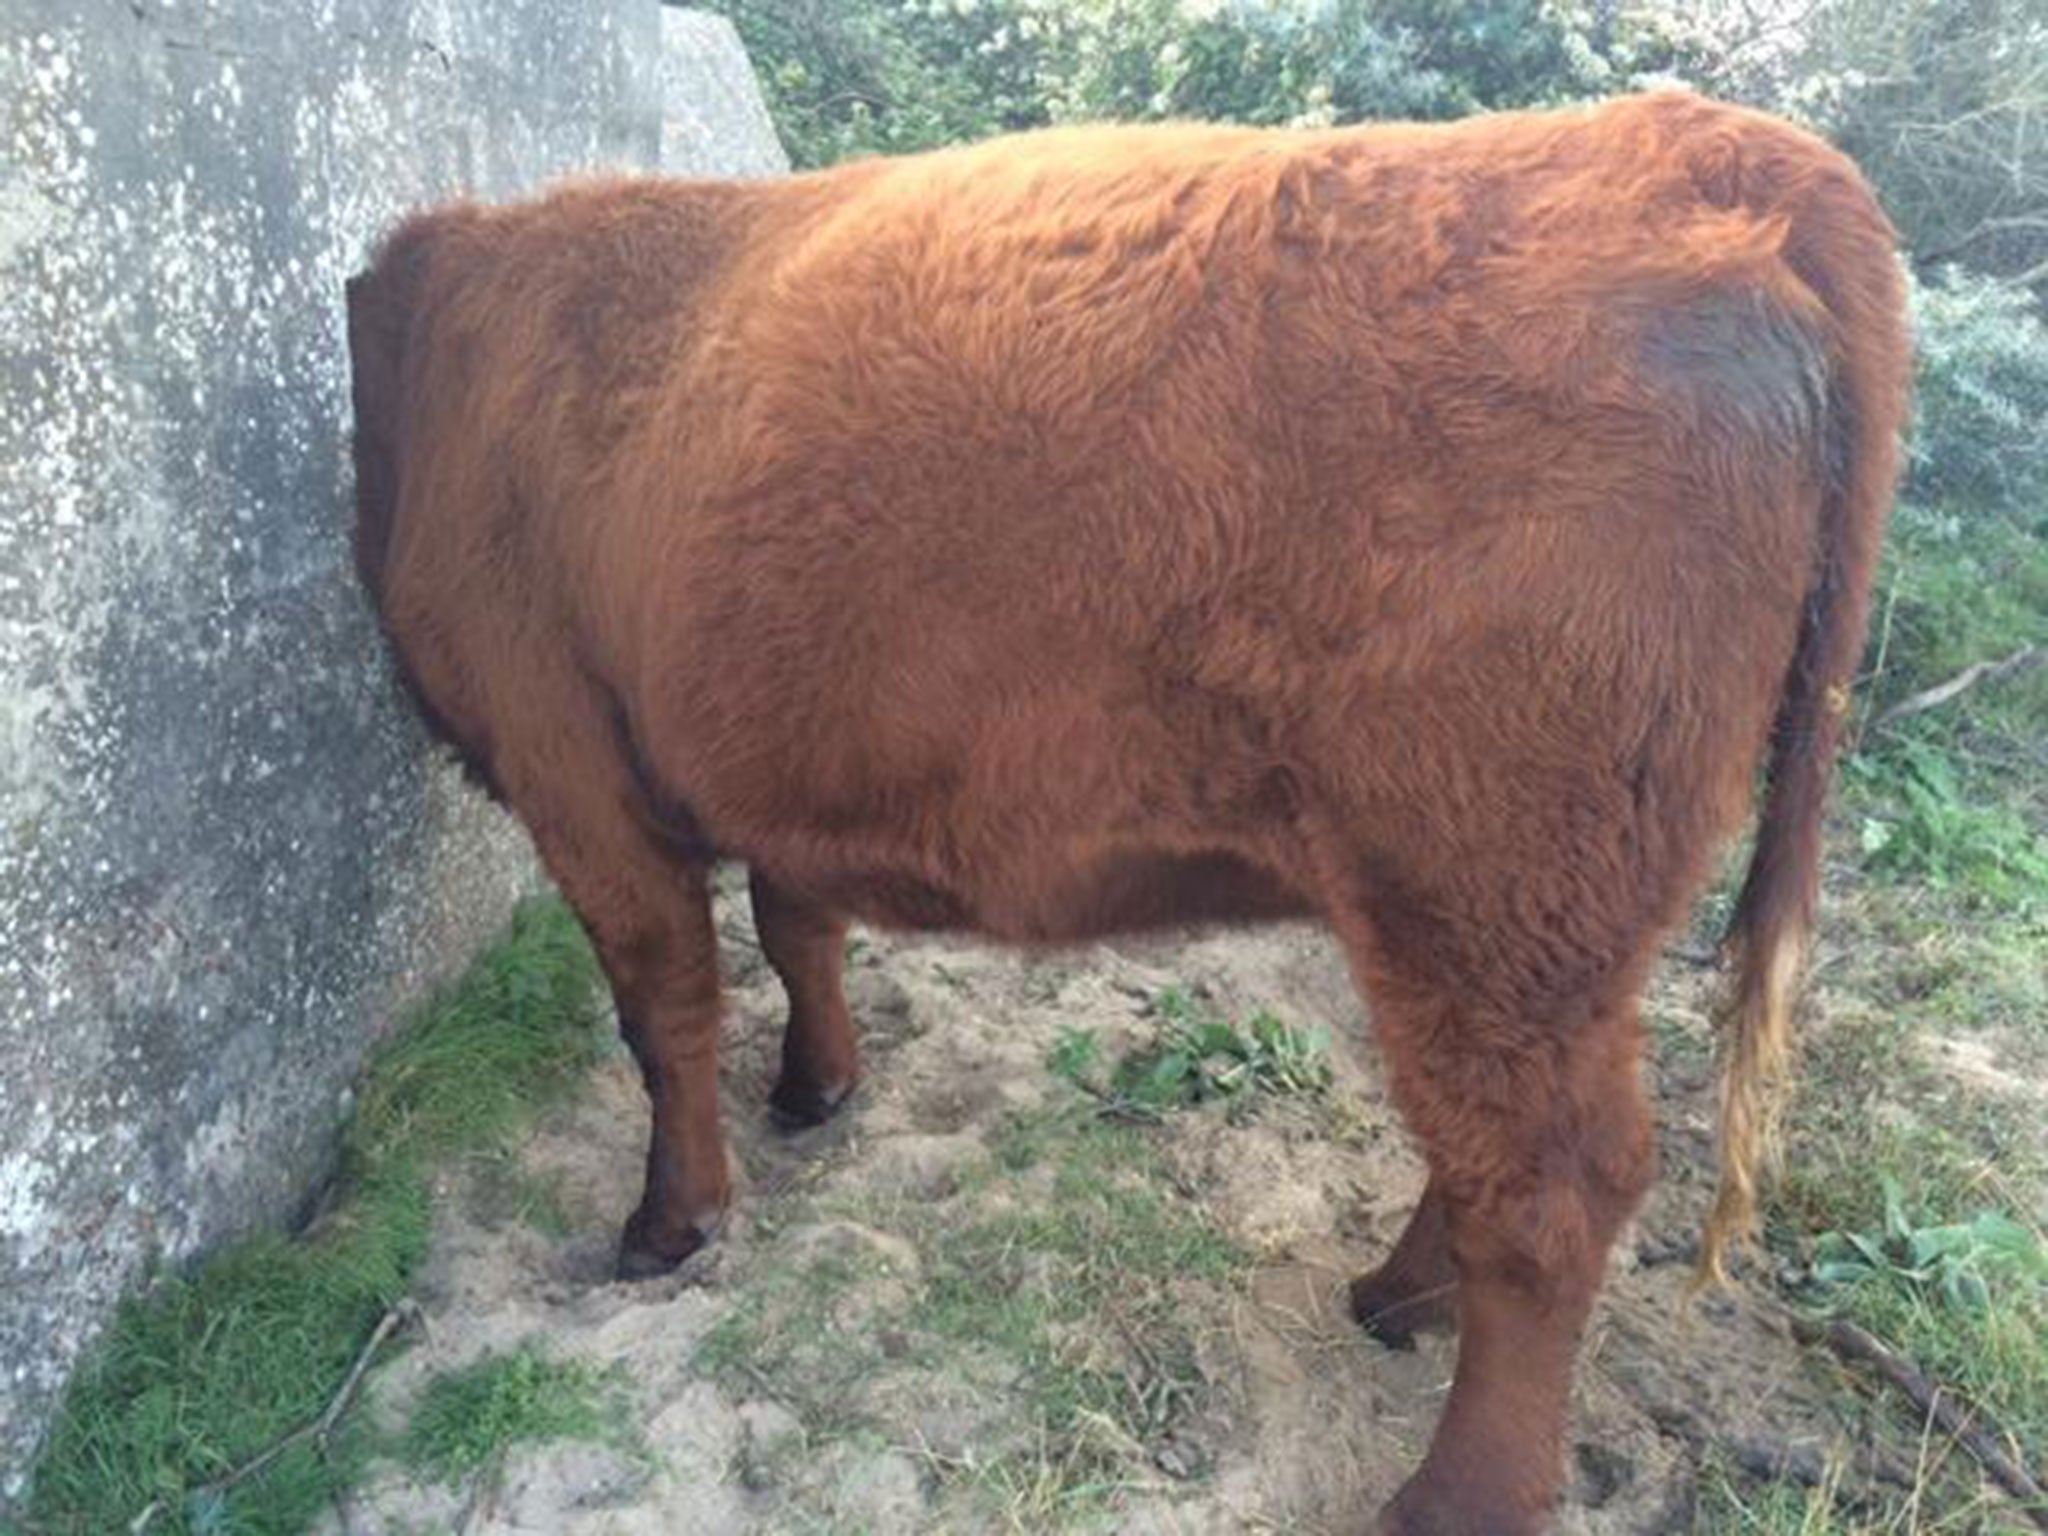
<point>467,1420</point>
<point>1957,1261</point>
<point>1197,1058</point>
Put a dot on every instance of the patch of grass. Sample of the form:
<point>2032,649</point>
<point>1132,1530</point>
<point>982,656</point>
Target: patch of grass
<point>1065,1277</point>
<point>1961,585</point>
<point>1082,1290</point>
<point>1895,1161</point>
<point>1867,1104</point>
<point>782,1336</point>
<point>469,1068</point>
<point>507,1190</point>
<point>1732,1505</point>
<point>1197,1058</point>
<point>204,1370</point>
<point>466,1420</point>
<point>1955,800</point>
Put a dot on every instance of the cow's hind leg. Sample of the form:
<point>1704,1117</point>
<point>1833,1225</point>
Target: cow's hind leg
<point>820,1057</point>
<point>1515,1063</point>
<point>1415,1289</point>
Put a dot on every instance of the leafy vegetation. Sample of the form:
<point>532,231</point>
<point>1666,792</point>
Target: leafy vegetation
<point>1967,1299</point>
<point>1926,828</point>
<point>1963,1299</point>
<point>204,1371</point>
<point>1196,1058</point>
<point>1954,799</point>
<point>1954,1262</point>
<point>1982,396</point>
<point>893,75</point>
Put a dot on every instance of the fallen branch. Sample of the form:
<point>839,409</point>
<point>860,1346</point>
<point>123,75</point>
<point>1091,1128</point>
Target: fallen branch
<point>1855,1345</point>
<point>317,1430</point>
<point>1983,671</point>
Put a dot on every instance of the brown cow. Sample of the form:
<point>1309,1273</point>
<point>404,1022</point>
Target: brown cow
<point>1424,528</point>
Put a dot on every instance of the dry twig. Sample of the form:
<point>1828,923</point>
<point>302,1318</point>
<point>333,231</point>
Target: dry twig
<point>1940,1405</point>
<point>317,1430</point>
<point>1983,671</point>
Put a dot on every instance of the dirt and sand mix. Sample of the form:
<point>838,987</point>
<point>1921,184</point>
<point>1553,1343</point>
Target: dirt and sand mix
<point>976,1301</point>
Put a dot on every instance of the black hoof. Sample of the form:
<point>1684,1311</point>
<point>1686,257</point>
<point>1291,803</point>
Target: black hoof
<point>796,1106</point>
<point>1394,1321</point>
<point>644,1258</point>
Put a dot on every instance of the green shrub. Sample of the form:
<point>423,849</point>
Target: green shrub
<point>1980,428</point>
<point>882,76</point>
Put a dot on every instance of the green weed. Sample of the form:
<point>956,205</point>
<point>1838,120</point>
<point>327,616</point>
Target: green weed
<point>1197,1058</point>
<point>1958,1262</point>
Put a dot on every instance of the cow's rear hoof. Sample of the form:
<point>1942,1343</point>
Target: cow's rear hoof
<point>1394,1317</point>
<point>643,1256</point>
<point>798,1106</point>
<point>1422,1510</point>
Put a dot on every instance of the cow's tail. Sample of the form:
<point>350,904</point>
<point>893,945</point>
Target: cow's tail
<point>1841,246</point>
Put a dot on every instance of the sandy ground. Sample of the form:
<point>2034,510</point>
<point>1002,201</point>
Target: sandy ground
<point>855,1421</point>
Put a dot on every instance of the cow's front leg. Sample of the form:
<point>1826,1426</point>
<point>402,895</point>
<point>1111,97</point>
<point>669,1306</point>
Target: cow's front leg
<point>665,979</point>
<point>806,944</point>
<point>647,908</point>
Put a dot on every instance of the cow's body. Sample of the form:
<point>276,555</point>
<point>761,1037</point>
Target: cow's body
<point>1422,528</point>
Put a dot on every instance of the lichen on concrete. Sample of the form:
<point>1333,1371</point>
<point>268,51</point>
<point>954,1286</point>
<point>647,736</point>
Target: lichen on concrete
<point>226,855</point>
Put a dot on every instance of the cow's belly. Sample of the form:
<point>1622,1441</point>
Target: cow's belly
<point>1120,893</point>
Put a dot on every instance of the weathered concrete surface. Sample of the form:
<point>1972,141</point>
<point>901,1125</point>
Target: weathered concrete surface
<point>714,122</point>
<point>225,857</point>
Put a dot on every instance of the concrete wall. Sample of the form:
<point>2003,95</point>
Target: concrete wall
<point>225,856</point>
<point>714,122</point>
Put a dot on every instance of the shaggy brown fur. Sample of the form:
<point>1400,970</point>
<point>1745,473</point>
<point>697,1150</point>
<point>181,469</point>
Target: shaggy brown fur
<point>1426,528</point>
